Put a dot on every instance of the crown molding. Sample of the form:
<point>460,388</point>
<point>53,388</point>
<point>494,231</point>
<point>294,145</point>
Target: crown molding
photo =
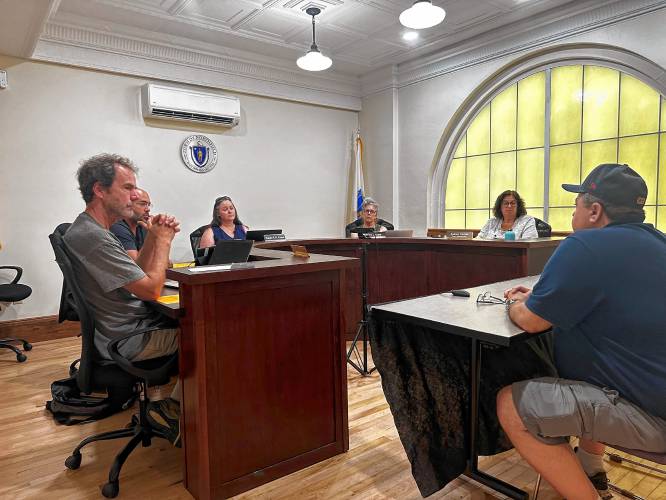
<point>505,42</point>
<point>379,80</point>
<point>103,50</point>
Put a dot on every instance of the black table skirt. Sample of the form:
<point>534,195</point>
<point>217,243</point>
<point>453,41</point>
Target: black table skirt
<point>425,377</point>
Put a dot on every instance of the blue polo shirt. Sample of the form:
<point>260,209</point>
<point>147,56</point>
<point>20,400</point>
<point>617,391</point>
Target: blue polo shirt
<point>604,290</point>
<point>128,240</point>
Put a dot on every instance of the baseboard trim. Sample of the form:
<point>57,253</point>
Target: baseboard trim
<point>39,328</point>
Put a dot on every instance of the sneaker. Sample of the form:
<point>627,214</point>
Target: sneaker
<point>600,482</point>
<point>164,416</point>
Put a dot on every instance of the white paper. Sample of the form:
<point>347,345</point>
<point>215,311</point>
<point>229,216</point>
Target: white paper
<point>205,269</point>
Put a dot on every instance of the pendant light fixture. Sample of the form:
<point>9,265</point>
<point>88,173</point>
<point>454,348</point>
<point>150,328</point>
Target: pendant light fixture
<point>314,60</point>
<point>423,14</point>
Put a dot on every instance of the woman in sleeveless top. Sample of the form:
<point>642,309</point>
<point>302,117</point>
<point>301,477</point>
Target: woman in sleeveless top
<point>225,224</point>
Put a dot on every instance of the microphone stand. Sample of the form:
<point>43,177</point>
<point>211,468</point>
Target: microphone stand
<point>361,365</point>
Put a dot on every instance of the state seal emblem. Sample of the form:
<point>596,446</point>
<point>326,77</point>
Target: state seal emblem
<point>199,153</point>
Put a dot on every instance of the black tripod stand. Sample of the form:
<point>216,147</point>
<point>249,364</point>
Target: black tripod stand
<point>361,363</point>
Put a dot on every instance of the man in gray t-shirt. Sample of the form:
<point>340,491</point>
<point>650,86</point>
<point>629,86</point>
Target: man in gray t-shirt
<point>103,268</point>
<point>114,285</point>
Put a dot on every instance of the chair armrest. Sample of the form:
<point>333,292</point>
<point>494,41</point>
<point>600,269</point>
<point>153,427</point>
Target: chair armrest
<point>130,367</point>
<point>19,273</point>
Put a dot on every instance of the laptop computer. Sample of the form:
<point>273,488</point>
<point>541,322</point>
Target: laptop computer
<point>398,233</point>
<point>230,251</point>
<point>258,234</point>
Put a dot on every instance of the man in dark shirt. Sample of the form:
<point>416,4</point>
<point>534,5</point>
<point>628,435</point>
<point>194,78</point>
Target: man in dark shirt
<point>603,294</point>
<point>128,230</point>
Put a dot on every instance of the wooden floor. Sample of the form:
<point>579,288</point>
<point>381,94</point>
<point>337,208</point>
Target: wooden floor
<point>33,449</point>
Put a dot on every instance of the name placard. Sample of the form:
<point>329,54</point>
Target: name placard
<point>460,235</point>
<point>273,237</point>
<point>300,251</point>
<point>435,232</point>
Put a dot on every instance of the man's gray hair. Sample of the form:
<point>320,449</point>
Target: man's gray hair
<point>616,213</point>
<point>100,168</point>
<point>369,201</point>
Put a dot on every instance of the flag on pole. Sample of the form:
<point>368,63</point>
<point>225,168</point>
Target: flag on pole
<point>358,189</point>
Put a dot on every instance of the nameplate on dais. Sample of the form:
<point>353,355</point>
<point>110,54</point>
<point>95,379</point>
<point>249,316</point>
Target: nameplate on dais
<point>273,237</point>
<point>460,235</point>
<point>299,251</point>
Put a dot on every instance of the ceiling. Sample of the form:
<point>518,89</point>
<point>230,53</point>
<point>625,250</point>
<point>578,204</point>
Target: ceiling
<point>359,35</point>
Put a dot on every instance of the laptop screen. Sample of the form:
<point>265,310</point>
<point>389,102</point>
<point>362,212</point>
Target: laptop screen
<point>231,251</point>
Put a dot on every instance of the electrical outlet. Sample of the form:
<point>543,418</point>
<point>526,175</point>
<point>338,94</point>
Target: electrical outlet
<point>3,79</point>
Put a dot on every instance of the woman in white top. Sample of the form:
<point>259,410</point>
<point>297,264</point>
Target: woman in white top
<point>510,214</point>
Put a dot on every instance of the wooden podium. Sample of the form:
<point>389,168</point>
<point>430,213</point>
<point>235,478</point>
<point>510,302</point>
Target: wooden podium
<point>262,367</point>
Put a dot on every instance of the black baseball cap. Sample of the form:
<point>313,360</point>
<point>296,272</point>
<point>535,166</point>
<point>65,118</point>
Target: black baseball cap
<point>619,185</point>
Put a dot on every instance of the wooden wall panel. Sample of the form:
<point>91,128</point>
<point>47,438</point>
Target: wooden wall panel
<point>39,328</point>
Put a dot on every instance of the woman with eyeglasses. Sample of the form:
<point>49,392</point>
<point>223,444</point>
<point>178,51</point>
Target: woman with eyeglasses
<point>368,219</point>
<point>510,215</point>
<point>225,224</point>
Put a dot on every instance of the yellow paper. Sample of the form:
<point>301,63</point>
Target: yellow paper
<point>169,299</point>
<point>176,265</point>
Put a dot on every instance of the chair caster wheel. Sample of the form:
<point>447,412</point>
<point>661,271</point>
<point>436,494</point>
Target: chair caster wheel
<point>110,490</point>
<point>27,346</point>
<point>73,462</point>
<point>21,357</point>
<point>133,422</point>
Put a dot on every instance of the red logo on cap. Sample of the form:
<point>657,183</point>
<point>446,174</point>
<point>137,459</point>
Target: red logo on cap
<point>593,186</point>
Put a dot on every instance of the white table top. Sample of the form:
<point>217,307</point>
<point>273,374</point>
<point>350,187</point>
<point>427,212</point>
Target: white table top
<point>461,315</point>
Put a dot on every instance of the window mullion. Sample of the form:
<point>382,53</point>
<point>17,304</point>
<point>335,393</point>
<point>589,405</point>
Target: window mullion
<point>546,149</point>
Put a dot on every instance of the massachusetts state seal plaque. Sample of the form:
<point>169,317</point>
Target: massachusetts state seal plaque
<point>199,153</point>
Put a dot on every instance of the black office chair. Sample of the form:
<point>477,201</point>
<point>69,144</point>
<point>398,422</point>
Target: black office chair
<point>120,378</point>
<point>195,238</point>
<point>543,228</point>
<point>359,222</point>
<point>15,292</point>
<point>67,310</point>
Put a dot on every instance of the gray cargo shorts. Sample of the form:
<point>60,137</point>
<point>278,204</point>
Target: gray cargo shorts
<point>552,409</point>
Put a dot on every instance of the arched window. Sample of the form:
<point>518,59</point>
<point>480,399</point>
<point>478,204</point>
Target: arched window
<point>553,127</point>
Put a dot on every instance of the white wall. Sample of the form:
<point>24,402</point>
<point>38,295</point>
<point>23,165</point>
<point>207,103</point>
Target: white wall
<point>426,108</point>
<point>377,136</point>
<point>286,165</point>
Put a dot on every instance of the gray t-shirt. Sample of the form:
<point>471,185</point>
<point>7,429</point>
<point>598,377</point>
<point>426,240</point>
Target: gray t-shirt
<point>103,268</point>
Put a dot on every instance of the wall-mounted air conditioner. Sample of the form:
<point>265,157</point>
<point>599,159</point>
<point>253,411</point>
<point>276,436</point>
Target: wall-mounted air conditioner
<point>172,103</point>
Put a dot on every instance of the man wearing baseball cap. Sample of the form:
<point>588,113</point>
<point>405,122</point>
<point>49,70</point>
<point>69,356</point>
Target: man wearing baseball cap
<point>603,292</point>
